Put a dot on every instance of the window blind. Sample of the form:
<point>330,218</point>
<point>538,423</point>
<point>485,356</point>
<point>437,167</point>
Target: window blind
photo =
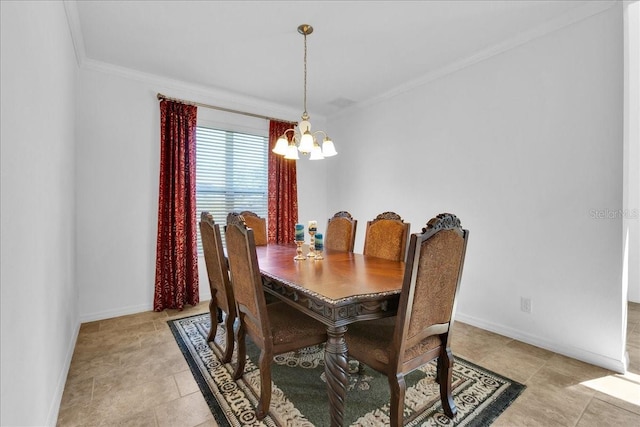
<point>231,174</point>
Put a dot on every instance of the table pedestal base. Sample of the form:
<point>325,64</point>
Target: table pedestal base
<point>335,359</point>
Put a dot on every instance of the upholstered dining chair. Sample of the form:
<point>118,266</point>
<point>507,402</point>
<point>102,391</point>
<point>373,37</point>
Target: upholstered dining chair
<point>386,237</point>
<point>259,226</point>
<point>421,331</point>
<point>340,234</point>
<point>275,328</point>
<point>219,283</point>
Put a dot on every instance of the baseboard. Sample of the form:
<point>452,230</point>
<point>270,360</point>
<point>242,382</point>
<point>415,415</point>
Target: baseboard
<point>569,351</point>
<point>121,311</point>
<point>54,410</point>
<point>205,295</point>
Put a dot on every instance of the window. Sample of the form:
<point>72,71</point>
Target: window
<point>231,174</point>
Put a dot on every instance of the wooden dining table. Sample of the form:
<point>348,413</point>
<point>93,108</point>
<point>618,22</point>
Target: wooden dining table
<point>340,289</point>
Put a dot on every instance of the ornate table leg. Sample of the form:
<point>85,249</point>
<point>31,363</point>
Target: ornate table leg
<point>335,359</point>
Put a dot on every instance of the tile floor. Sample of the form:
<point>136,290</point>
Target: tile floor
<point>129,371</point>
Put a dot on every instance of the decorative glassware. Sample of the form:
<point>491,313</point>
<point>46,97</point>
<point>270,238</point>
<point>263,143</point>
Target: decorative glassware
<point>299,239</point>
<point>299,256</point>
<point>313,227</point>
<point>319,246</point>
<point>299,233</point>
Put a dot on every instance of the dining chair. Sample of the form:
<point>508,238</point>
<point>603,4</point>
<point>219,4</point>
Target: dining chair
<point>386,237</point>
<point>421,331</point>
<point>219,283</point>
<point>259,226</point>
<point>275,328</point>
<point>340,234</point>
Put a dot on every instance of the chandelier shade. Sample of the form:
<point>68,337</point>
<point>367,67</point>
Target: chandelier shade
<point>303,139</point>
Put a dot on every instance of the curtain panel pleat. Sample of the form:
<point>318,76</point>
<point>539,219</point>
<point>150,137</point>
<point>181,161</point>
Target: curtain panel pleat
<point>282,192</point>
<point>176,282</point>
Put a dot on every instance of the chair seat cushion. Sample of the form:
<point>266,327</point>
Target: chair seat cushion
<point>371,340</point>
<point>290,325</point>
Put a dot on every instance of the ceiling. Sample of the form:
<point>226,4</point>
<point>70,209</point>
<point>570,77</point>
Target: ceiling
<point>359,50</point>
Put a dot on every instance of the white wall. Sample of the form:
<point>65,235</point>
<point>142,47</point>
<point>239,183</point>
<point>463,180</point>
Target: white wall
<point>39,293</point>
<point>631,185</point>
<point>118,157</point>
<point>118,169</point>
<point>526,148</point>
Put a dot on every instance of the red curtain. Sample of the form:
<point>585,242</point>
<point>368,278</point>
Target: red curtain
<point>283,190</point>
<point>176,249</point>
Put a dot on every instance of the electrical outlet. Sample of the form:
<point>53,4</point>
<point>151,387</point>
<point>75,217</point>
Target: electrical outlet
<point>525,304</point>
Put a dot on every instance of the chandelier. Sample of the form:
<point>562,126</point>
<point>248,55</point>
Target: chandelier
<point>303,139</point>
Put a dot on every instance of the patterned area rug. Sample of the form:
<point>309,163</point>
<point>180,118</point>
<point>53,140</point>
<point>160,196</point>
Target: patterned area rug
<point>299,396</point>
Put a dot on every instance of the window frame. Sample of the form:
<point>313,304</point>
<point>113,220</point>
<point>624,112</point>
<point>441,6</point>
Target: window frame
<point>232,128</point>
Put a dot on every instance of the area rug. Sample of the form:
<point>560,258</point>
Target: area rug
<point>299,393</point>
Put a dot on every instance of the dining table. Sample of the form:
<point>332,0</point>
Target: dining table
<point>337,290</point>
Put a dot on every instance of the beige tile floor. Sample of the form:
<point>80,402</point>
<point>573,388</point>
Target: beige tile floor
<point>129,371</point>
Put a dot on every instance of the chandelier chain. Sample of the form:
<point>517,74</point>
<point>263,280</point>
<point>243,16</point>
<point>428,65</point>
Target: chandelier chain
<point>305,75</point>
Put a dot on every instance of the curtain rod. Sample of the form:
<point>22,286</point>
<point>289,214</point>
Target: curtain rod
<point>228,110</point>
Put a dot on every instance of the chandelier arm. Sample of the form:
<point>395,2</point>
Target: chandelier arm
<point>322,132</point>
<point>294,139</point>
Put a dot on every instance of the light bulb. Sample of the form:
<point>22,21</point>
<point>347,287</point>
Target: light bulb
<point>292,152</point>
<point>328,149</point>
<point>316,153</point>
<point>306,143</point>
<point>281,146</point>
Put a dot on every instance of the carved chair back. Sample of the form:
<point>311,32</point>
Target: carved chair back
<point>275,328</point>
<point>245,272</point>
<point>386,237</point>
<point>341,232</point>
<point>219,284</point>
<point>431,283</point>
<point>421,330</point>
<point>258,225</point>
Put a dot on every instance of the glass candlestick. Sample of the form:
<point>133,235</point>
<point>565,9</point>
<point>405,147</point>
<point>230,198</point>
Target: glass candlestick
<point>319,245</point>
<point>312,244</point>
<point>299,256</point>
<point>299,236</point>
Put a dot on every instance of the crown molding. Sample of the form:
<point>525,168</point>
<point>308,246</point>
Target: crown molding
<point>571,17</point>
<point>246,103</point>
<point>194,92</point>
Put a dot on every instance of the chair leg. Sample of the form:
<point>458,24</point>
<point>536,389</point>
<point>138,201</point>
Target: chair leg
<point>397,386</point>
<point>213,311</point>
<point>242,352</point>
<point>444,375</point>
<point>226,357</point>
<point>265,385</point>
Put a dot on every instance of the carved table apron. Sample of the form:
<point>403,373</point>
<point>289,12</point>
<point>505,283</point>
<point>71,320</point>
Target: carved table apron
<point>340,289</point>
